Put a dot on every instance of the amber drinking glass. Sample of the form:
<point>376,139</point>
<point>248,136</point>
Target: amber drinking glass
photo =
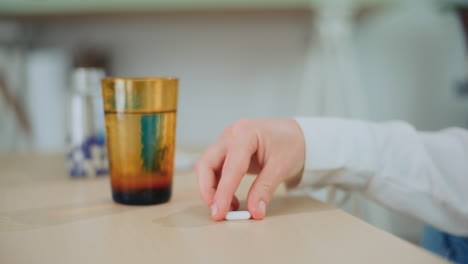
<point>140,118</point>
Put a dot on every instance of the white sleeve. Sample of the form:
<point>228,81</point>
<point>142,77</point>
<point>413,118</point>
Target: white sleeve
<point>424,175</point>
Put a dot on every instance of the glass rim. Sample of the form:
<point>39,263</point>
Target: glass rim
<point>140,79</point>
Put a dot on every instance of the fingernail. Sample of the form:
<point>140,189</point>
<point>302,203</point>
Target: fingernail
<point>262,207</point>
<point>214,209</point>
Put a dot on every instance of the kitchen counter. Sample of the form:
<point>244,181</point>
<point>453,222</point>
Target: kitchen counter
<point>46,217</point>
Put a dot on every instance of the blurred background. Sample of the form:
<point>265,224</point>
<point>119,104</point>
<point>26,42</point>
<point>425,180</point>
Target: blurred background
<point>376,60</point>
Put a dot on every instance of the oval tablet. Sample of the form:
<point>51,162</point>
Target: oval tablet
<point>238,215</point>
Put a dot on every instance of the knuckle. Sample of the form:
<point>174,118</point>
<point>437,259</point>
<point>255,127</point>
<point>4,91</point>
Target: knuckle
<point>228,130</point>
<point>241,126</point>
<point>266,186</point>
<point>244,122</point>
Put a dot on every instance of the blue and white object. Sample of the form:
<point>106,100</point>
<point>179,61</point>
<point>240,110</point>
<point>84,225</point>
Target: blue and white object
<point>87,155</point>
<point>88,159</point>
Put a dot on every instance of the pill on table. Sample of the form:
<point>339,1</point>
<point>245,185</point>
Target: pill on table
<point>238,215</point>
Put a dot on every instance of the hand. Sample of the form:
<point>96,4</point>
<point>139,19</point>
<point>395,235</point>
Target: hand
<point>273,149</point>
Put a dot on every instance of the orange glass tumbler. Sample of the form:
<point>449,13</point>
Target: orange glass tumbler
<point>140,118</point>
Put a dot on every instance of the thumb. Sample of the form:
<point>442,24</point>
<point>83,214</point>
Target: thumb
<point>262,190</point>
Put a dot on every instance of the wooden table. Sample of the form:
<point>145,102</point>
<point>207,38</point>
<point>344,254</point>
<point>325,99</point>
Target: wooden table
<point>46,217</point>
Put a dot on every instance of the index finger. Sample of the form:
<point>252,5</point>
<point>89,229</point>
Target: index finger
<point>209,163</point>
<point>235,167</point>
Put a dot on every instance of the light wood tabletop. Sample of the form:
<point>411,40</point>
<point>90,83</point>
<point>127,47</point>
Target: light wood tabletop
<point>47,217</point>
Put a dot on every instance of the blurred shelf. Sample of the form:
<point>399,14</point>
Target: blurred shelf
<point>57,7</point>
<point>11,8</point>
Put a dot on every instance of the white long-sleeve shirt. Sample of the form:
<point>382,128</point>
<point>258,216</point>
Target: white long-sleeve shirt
<point>422,174</point>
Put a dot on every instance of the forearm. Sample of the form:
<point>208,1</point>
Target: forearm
<point>392,164</point>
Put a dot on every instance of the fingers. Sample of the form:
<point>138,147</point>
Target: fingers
<point>206,168</point>
<point>235,167</point>
<point>262,190</point>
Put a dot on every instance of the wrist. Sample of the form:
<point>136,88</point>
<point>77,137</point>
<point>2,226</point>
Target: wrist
<point>300,150</point>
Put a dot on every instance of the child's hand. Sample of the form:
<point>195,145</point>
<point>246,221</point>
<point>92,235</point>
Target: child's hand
<point>273,149</point>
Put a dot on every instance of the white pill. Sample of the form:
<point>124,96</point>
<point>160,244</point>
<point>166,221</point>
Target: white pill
<point>238,215</point>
